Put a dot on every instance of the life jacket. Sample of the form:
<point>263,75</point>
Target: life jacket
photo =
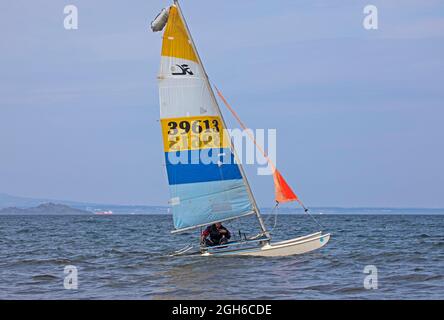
<point>215,236</point>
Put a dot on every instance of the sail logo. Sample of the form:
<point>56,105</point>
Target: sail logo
<point>184,69</point>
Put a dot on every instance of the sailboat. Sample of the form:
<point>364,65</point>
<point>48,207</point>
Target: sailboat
<point>204,192</point>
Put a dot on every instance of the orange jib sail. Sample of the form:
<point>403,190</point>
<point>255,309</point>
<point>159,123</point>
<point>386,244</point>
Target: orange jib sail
<point>283,192</point>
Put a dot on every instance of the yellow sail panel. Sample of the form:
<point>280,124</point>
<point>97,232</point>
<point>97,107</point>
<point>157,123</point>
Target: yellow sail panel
<point>175,38</point>
<point>193,133</point>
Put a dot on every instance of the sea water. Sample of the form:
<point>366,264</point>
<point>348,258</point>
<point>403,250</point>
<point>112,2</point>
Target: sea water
<point>126,257</point>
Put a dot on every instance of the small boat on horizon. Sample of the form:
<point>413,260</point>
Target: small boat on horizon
<point>109,212</point>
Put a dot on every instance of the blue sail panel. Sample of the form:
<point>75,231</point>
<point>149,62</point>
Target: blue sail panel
<point>206,185</point>
<point>201,203</point>
<point>191,166</point>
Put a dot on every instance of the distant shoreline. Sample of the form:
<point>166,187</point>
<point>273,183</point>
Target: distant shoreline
<point>265,214</point>
<point>7,200</point>
<point>44,209</point>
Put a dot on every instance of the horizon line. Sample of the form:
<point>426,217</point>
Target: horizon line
<point>79,202</point>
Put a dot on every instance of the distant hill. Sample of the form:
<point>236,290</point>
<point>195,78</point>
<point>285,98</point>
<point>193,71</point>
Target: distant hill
<point>8,201</point>
<point>44,208</point>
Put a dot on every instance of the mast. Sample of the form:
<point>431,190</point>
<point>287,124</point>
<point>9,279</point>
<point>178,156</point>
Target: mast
<point>213,97</point>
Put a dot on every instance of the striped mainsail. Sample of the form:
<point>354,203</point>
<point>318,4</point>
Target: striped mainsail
<point>206,182</point>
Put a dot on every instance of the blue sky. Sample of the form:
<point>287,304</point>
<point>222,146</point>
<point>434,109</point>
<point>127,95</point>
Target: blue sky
<point>359,114</point>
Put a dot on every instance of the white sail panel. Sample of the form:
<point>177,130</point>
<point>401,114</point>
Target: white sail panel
<point>183,95</point>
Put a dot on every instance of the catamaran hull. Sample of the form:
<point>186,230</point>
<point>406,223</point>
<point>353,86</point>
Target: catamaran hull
<point>284,248</point>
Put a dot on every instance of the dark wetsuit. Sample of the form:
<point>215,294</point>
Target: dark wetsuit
<point>215,236</point>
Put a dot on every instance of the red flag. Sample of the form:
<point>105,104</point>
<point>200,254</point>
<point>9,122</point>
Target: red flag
<point>283,192</point>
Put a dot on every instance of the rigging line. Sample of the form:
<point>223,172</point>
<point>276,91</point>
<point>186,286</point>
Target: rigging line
<point>275,209</point>
<point>311,216</point>
<point>271,213</point>
<point>250,135</point>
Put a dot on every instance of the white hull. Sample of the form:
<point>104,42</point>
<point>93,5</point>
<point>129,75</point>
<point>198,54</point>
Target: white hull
<point>283,248</point>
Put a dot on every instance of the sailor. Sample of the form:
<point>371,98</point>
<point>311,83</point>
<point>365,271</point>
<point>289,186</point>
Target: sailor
<point>218,235</point>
